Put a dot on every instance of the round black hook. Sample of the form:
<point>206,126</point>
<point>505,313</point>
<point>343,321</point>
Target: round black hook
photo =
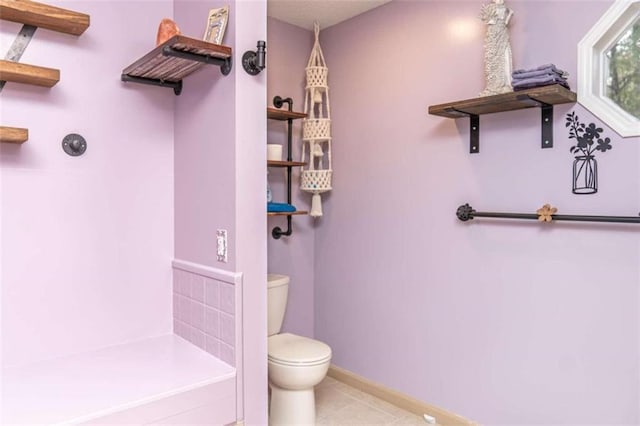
<point>74,144</point>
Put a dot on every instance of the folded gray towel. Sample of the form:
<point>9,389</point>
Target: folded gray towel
<point>550,67</point>
<point>547,78</point>
<point>529,74</point>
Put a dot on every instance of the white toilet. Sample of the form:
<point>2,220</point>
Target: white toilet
<point>296,363</point>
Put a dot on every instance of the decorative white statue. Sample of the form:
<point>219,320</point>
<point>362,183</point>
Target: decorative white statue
<point>497,48</point>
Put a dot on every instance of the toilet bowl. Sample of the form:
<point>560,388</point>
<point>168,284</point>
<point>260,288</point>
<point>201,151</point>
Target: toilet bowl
<point>295,364</point>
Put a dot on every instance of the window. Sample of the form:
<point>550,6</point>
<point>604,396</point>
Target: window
<point>609,68</point>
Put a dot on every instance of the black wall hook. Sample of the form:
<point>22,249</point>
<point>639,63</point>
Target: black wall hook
<point>74,144</point>
<point>254,62</point>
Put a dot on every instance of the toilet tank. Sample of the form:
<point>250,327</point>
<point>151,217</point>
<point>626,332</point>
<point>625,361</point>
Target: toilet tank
<point>277,291</point>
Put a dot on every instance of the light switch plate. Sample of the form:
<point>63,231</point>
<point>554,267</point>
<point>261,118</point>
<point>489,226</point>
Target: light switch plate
<point>221,238</point>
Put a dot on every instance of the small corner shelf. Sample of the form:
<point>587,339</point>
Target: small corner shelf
<point>272,163</point>
<point>543,97</point>
<point>296,213</point>
<point>285,115</point>
<point>175,59</point>
<point>14,135</point>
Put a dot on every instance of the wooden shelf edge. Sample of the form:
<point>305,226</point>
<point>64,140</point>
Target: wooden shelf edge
<point>15,135</point>
<point>184,43</point>
<point>273,163</point>
<point>175,59</point>
<point>280,114</point>
<point>28,74</point>
<point>296,213</point>
<point>551,95</point>
<point>44,16</point>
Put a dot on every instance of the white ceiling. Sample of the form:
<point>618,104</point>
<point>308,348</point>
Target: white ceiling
<point>327,12</point>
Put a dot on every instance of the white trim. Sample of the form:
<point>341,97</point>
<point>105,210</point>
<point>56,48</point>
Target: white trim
<point>591,51</point>
<point>234,278</point>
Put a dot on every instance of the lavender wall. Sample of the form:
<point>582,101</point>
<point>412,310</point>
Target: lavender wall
<point>502,322</point>
<point>289,49</point>
<point>87,241</point>
<point>220,179</point>
<point>205,149</point>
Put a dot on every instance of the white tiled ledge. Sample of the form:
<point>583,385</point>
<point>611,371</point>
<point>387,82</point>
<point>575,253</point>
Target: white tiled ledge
<point>97,384</point>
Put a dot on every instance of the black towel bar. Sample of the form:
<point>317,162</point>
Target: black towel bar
<point>466,212</point>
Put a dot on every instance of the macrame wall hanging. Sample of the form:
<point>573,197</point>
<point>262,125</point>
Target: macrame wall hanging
<point>316,129</point>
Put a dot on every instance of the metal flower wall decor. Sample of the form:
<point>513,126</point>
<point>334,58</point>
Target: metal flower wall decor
<point>585,166</point>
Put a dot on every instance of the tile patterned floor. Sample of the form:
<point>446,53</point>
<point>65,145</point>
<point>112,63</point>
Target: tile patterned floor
<point>338,404</point>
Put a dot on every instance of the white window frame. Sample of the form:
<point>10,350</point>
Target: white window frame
<point>592,62</point>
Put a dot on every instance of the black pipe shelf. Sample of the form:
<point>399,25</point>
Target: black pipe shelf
<point>170,62</point>
<point>287,115</point>
<point>465,213</point>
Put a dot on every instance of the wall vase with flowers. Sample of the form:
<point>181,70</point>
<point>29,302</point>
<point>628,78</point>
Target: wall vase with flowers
<point>585,166</point>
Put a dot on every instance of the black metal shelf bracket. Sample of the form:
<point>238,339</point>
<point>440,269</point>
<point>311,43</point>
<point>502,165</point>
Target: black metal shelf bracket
<point>279,102</point>
<point>546,111</point>
<point>474,128</point>
<point>277,232</point>
<point>474,134</point>
<point>474,123</point>
<point>175,85</point>
<point>465,213</point>
<point>224,64</point>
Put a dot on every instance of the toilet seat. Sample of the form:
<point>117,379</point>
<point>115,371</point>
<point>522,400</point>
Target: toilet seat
<point>297,351</point>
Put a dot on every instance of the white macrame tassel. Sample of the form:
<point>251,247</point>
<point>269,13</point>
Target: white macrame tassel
<point>315,176</point>
<point>316,205</point>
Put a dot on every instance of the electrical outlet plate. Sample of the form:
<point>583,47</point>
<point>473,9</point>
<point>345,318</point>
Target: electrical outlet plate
<point>221,238</point>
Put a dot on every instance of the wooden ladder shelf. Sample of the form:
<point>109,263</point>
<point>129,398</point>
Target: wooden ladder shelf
<point>33,15</point>
<point>28,74</point>
<point>44,16</point>
<point>13,134</point>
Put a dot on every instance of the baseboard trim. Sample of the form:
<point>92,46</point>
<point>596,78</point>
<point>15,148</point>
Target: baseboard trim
<point>396,398</point>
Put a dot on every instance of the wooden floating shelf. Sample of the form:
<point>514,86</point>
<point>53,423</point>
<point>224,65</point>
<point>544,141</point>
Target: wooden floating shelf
<point>175,59</point>
<point>550,95</point>
<point>272,163</point>
<point>296,213</point>
<point>13,134</point>
<point>44,16</point>
<point>155,65</point>
<point>28,74</point>
<point>543,97</point>
<point>279,114</point>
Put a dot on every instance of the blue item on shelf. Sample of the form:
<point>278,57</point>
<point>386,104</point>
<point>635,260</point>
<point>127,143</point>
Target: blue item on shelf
<point>280,207</point>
